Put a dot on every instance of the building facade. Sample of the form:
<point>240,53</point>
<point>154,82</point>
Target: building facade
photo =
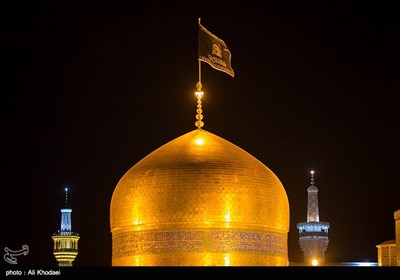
<point>389,251</point>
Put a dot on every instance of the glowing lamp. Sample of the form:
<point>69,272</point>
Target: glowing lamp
<point>199,94</point>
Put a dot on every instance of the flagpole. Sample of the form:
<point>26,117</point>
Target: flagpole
<point>199,94</point>
<point>199,85</point>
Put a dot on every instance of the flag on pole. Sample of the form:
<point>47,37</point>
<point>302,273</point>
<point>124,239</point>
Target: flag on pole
<point>214,51</point>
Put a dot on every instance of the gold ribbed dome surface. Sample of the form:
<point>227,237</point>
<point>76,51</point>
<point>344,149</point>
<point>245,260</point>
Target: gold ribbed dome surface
<point>199,200</point>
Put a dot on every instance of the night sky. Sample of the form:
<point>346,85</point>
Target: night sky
<point>91,87</point>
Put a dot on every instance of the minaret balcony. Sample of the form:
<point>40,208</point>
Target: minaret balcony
<point>313,234</point>
<point>65,250</point>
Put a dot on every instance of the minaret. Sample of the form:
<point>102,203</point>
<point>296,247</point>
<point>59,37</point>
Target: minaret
<point>65,241</point>
<point>313,234</point>
<point>397,230</point>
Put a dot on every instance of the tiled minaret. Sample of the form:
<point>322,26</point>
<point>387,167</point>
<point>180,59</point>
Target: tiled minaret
<point>313,234</point>
<point>65,241</point>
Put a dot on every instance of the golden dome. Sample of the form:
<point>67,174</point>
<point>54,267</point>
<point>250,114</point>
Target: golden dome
<point>199,200</point>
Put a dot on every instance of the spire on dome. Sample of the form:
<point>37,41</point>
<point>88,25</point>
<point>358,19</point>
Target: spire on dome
<point>199,94</point>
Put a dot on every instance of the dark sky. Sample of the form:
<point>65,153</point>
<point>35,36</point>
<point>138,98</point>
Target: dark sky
<point>91,87</point>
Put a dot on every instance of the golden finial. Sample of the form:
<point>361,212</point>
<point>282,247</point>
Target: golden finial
<point>199,94</point>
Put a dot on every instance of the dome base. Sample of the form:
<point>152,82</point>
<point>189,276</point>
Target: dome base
<point>204,247</point>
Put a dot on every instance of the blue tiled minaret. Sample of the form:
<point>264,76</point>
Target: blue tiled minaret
<point>65,241</point>
<point>313,233</point>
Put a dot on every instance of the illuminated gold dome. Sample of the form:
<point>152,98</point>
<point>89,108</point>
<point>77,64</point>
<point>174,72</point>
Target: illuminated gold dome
<point>199,200</point>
